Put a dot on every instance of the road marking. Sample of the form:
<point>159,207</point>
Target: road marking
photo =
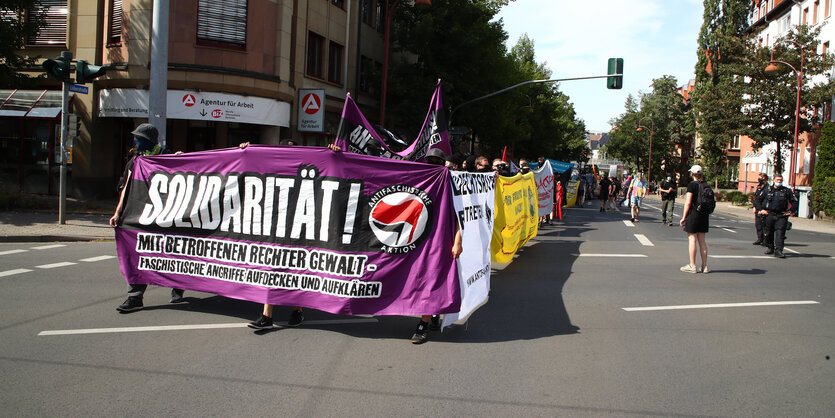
<point>792,251</point>
<point>56,265</point>
<point>47,247</point>
<point>610,255</point>
<point>628,223</point>
<point>192,327</point>
<point>740,256</point>
<point>729,230</point>
<point>720,305</point>
<point>12,252</point>
<point>650,206</point>
<point>99,258</point>
<point>644,240</point>
<point>12,272</point>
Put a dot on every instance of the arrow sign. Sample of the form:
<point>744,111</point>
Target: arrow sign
<point>203,112</point>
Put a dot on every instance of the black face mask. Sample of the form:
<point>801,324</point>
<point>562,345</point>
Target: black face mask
<point>762,181</point>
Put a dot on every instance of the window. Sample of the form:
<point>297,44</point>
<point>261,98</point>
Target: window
<point>114,25</point>
<point>338,3</point>
<point>815,12</point>
<point>735,142</point>
<point>805,14</point>
<point>335,53</point>
<point>825,47</point>
<point>369,76</point>
<point>315,51</point>
<point>807,160</point>
<point>222,23</point>
<point>54,30</point>
<point>826,9</point>
<point>365,11</point>
<point>380,15</point>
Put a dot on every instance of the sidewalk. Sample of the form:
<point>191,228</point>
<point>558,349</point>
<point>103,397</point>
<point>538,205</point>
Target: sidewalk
<point>747,213</point>
<point>42,226</point>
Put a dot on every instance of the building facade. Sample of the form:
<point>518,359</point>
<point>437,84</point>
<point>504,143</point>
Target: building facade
<point>771,20</point>
<point>262,71</point>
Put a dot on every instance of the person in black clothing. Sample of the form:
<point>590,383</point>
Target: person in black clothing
<point>604,192</point>
<point>668,200</point>
<point>780,203</point>
<point>145,139</point>
<point>759,205</point>
<point>694,223</point>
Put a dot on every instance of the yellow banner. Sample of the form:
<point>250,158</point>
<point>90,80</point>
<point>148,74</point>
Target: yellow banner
<point>571,196</point>
<point>517,207</point>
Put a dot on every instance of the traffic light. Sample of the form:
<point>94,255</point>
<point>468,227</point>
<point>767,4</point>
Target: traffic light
<point>615,67</point>
<point>59,68</point>
<point>85,73</point>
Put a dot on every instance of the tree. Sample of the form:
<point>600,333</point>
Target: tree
<point>770,100</point>
<point>14,30</point>
<point>823,196</point>
<point>717,98</point>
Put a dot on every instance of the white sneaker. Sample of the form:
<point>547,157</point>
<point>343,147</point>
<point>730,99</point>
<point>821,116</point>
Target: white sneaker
<point>705,269</point>
<point>687,268</point>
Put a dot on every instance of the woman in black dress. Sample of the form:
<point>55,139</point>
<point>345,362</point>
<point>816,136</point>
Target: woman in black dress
<point>694,223</point>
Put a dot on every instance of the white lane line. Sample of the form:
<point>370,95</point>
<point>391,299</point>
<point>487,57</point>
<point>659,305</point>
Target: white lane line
<point>12,252</point>
<point>99,258</point>
<point>610,255</point>
<point>720,305</point>
<point>56,265</point>
<point>650,206</point>
<point>12,272</point>
<point>191,327</point>
<point>47,247</point>
<point>791,251</point>
<point>628,223</point>
<point>740,256</point>
<point>729,230</point>
<point>644,240</point>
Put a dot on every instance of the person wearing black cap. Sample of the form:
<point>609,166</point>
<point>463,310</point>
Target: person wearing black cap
<point>146,141</point>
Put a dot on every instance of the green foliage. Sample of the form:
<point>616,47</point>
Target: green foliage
<point>824,197</point>
<point>13,33</point>
<point>822,187</point>
<point>532,120</point>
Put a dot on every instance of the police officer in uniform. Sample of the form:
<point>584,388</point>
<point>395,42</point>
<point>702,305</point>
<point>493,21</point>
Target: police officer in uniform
<point>780,203</point>
<point>759,204</point>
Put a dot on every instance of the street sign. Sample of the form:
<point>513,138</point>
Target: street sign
<point>79,88</point>
<point>311,114</point>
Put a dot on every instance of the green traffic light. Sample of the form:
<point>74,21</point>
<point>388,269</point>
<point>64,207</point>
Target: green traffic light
<point>85,73</point>
<point>615,67</point>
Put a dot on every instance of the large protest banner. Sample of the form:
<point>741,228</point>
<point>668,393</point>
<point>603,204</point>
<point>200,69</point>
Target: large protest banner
<point>516,216</point>
<point>473,195</point>
<point>340,232</point>
<point>544,178</point>
<point>355,131</point>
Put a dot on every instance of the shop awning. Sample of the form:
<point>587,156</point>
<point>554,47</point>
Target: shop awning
<point>30,103</point>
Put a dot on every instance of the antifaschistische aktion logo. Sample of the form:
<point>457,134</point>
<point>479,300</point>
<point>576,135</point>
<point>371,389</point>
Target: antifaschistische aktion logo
<point>399,217</point>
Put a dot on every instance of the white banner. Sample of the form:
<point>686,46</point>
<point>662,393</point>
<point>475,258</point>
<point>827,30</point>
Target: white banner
<point>544,179</point>
<point>473,195</point>
<point>193,105</point>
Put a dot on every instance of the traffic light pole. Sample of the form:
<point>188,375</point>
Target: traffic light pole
<point>524,83</point>
<point>65,127</point>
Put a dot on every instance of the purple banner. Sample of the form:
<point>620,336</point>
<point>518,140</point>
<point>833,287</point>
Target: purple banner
<point>340,232</point>
<point>355,131</point>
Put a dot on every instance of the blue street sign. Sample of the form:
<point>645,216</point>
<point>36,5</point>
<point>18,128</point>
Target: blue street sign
<point>79,88</point>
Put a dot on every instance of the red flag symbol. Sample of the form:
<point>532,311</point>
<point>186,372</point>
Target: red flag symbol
<point>408,212</point>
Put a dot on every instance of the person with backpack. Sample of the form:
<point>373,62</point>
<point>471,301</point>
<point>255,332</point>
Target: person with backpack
<point>699,203</point>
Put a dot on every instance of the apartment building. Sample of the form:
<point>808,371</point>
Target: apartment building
<point>772,19</point>
<point>238,70</point>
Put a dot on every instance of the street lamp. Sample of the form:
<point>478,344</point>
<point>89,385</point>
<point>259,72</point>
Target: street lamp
<point>390,6</point>
<point>771,68</point>
<point>651,131</point>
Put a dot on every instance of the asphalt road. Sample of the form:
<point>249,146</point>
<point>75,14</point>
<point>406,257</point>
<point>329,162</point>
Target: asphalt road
<point>588,320</point>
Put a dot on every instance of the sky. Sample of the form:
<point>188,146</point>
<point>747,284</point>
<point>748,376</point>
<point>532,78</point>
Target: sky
<point>576,39</point>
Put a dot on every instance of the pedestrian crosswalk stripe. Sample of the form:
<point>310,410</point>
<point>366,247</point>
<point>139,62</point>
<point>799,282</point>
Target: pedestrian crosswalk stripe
<point>56,265</point>
<point>99,258</point>
<point>47,247</point>
<point>13,272</point>
<point>792,251</point>
<point>729,230</point>
<point>644,240</point>
<point>628,223</point>
<point>720,305</point>
<point>12,252</point>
